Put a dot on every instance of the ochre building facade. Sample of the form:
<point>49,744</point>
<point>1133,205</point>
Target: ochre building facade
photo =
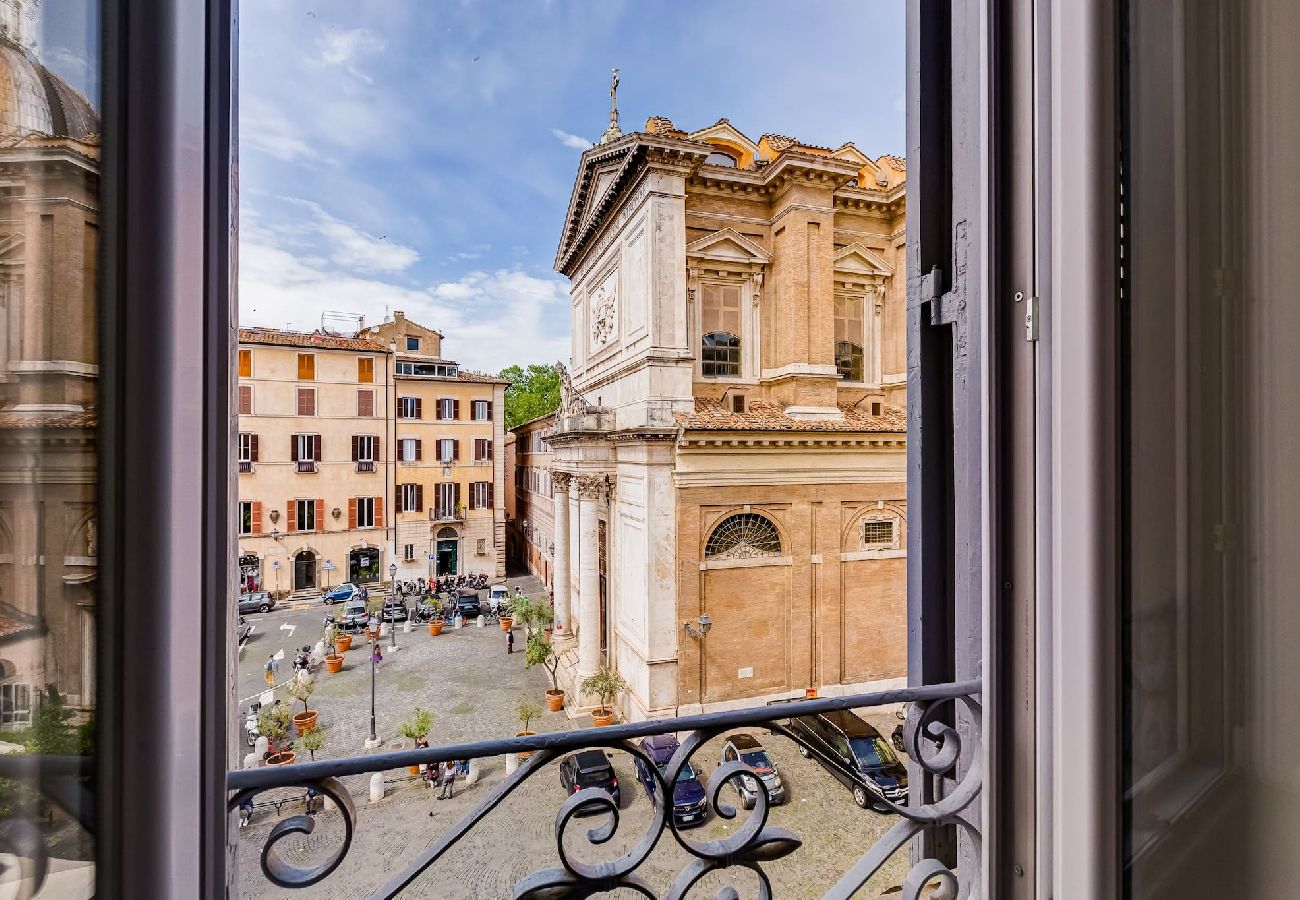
<point>729,458</point>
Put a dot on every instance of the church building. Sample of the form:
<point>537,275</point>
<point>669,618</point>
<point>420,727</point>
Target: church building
<point>729,458</point>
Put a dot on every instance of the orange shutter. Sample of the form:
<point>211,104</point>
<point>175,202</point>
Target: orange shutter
<point>352,512</point>
<point>379,512</point>
<point>245,363</point>
<point>320,515</point>
<point>293,515</point>
<point>365,369</point>
<point>306,367</point>
<point>257,517</point>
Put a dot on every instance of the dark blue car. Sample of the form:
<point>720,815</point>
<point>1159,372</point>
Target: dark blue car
<point>689,804</point>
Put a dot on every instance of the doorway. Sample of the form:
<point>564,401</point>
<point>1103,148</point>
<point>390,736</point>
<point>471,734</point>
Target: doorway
<point>363,565</point>
<point>304,571</point>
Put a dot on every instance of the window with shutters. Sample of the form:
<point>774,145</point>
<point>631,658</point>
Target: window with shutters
<point>408,553</point>
<point>365,403</point>
<point>480,495</point>
<point>245,399</point>
<point>408,450</point>
<point>366,369</point>
<point>408,407</point>
<point>447,450</point>
<point>247,451</point>
<point>482,450</point>
<point>245,363</point>
<point>245,517</point>
<point>306,366</point>
<point>306,451</point>
<point>364,447</point>
<point>305,515</point>
<point>447,498</point>
<point>481,410</point>
<point>408,498</point>
<point>447,408</point>
<point>720,326</point>
<point>365,512</point>
<point>306,401</point>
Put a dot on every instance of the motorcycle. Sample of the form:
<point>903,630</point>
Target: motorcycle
<point>250,724</point>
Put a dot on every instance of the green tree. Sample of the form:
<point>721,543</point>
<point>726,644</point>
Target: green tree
<point>50,732</point>
<point>534,391</point>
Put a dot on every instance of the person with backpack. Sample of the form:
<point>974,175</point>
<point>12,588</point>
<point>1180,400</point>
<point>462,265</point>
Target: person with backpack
<point>270,669</point>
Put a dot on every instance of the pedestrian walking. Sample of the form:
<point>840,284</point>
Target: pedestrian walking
<point>510,641</point>
<point>270,669</point>
<point>448,780</point>
<point>245,812</point>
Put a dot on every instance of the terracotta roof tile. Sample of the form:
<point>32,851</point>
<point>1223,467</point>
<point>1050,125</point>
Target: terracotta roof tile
<point>480,379</point>
<point>11,626</point>
<point>307,339</point>
<point>710,415</point>
<point>86,419</point>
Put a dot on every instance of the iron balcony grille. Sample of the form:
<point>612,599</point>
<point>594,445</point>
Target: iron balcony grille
<point>945,783</point>
<point>306,465</point>
<point>365,465</point>
<point>245,466</point>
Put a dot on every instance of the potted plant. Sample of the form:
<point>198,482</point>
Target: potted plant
<point>508,617</point>
<point>342,639</point>
<point>273,722</point>
<point>538,651</point>
<point>311,742</point>
<point>333,658</point>
<point>416,729</point>
<point>436,623</point>
<point>606,685</point>
<point>301,689</point>
<point>375,606</point>
<point>527,711</point>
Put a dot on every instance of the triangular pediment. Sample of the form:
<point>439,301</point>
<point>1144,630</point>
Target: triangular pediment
<point>12,245</point>
<point>726,136</point>
<point>857,260</point>
<point>727,245</point>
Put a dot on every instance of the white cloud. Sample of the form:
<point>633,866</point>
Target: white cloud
<point>571,140</point>
<point>342,46</point>
<point>352,248</point>
<point>263,127</point>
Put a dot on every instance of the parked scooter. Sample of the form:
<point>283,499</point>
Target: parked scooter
<point>250,724</point>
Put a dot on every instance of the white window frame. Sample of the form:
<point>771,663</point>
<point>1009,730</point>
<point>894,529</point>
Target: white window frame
<point>307,446</point>
<point>446,450</point>
<point>239,524</point>
<point>407,496</point>
<point>446,409</point>
<point>475,406</point>
<point>12,715</point>
<point>444,493</point>
<point>406,407</point>
<point>478,494</point>
<point>366,448</point>
<point>365,512</point>
<point>303,506</point>
<point>406,449</point>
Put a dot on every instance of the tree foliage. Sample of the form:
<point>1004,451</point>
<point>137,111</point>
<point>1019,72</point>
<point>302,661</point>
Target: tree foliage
<point>534,391</point>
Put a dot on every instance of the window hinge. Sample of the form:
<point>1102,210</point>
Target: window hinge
<point>1031,315</point>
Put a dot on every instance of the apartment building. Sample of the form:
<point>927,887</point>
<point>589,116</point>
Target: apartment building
<point>535,498</point>
<point>315,460</point>
<point>448,426</point>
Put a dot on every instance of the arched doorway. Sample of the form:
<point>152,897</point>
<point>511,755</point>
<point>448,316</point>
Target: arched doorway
<point>304,571</point>
<point>448,551</point>
<point>363,565</point>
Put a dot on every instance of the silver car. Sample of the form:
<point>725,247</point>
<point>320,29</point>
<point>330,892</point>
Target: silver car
<point>744,748</point>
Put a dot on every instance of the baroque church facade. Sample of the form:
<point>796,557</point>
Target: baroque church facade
<point>729,458</point>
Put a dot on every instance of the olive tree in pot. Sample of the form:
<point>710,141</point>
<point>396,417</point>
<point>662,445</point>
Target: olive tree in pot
<point>273,723</point>
<point>311,742</point>
<point>528,712</point>
<point>333,658</point>
<point>539,652</point>
<point>301,690</point>
<point>606,685</point>
<point>416,729</point>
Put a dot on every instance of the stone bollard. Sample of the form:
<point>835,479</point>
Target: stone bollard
<point>252,761</point>
<point>262,747</point>
<point>266,698</point>
<point>384,628</point>
<point>512,763</point>
<point>406,626</point>
<point>480,621</point>
<point>475,772</point>
<point>329,805</point>
<point>319,650</point>
<point>376,787</point>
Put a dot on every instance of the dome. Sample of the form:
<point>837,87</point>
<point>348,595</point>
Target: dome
<point>33,100</point>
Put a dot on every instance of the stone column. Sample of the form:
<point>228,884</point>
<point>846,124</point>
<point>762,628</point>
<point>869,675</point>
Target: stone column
<point>563,607</point>
<point>575,555</point>
<point>590,489</point>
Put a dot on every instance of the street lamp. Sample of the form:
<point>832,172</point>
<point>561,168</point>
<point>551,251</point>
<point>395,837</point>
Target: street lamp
<point>373,741</point>
<point>392,626</point>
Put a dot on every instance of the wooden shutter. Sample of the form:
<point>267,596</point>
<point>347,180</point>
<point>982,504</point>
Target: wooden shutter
<point>317,452</point>
<point>245,400</point>
<point>375,451</point>
<point>257,517</point>
<point>419,449</point>
<point>419,408</point>
<point>365,369</point>
<point>365,403</point>
<point>352,512</point>
<point>419,498</point>
<point>455,409</point>
<point>320,516</point>
<point>293,447</point>
<point>455,449</point>
<point>489,406</point>
<point>252,447</point>
<point>356,454</point>
<point>491,491</point>
<point>245,363</point>
<point>379,512</point>
<point>455,496</point>
<point>293,515</point>
<point>306,367</point>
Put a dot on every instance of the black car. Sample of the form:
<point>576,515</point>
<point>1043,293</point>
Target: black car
<point>589,769</point>
<point>856,754</point>
<point>394,610</point>
<point>467,604</point>
<point>256,601</point>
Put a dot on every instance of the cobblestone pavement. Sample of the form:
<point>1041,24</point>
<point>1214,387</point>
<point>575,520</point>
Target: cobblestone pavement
<point>472,686</point>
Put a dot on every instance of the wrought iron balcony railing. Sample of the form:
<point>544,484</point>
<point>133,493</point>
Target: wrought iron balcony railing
<point>941,738</point>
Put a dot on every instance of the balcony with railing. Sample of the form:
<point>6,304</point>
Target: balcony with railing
<point>245,466</point>
<point>365,465</point>
<point>318,823</point>
<point>306,466</point>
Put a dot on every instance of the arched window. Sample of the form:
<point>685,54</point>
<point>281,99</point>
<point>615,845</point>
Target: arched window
<point>743,536</point>
<point>718,158</point>
<point>720,326</point>
<point>848,360</point>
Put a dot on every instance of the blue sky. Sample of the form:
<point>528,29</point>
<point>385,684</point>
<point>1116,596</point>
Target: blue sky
<point>419,154</point>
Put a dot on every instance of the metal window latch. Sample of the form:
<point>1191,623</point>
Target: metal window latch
<point>1031,315</point>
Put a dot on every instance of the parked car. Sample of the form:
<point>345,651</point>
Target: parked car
<point>745,748</point>
<point>467,604</point>
<point>341,594</point>
<point>498,593</point>
<point>245,631</point>
<point>354,617</point>
<point>256,601</point>
<point>589,769</point>
<point>856,754</point>
<point>394,610</point>
<point>690,807</point>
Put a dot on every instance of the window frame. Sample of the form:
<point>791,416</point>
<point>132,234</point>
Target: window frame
<point>299,518</point>
<point>409,408</point>
<point>240,517</point>
<point>367,504</point>
<point>306,362</point>
<point>299,393</point>
<point>364,376</point>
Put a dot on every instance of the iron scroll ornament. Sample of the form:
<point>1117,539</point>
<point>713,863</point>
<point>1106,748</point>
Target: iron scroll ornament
<point>275,865</point>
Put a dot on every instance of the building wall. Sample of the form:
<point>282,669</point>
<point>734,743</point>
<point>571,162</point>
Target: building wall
<point>535,493</point>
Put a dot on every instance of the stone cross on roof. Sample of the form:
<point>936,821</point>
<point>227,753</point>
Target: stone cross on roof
<point>613,132</point>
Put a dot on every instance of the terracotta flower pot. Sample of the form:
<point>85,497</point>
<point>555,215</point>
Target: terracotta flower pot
<point>283,758</point>
<point>413,771</point>
<point>374,633</point>
<point>601,717</point>
<point>548,632</point>
<point>555,700</point>
<point>305,722</point>
<point>507,623</point>
<point>343,642</point>
<point>524,754</point>
<point>334,664</point>
<point>435,627</point>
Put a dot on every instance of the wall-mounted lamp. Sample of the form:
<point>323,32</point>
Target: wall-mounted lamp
<point>705,624</point>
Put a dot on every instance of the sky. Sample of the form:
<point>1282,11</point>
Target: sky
<point>418,155</point>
